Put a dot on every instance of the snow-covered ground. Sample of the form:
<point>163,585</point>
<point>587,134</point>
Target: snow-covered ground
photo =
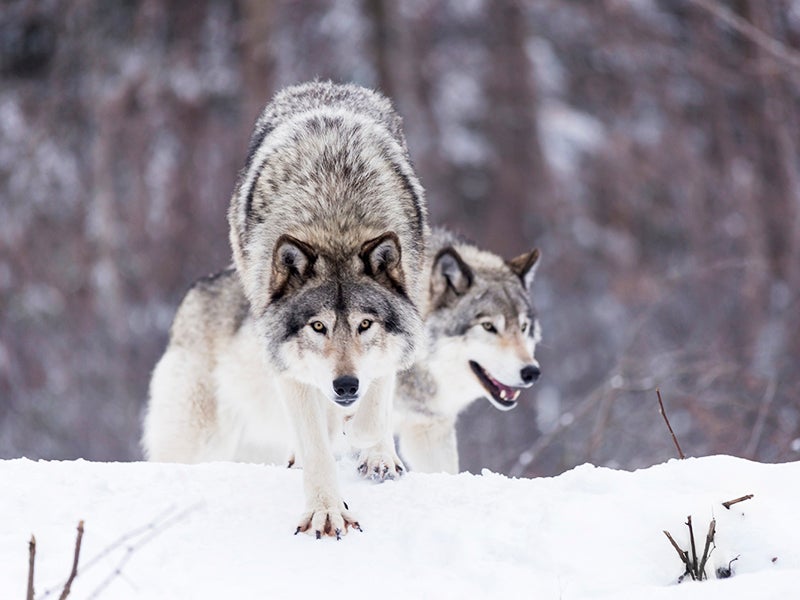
<point>225,531</point>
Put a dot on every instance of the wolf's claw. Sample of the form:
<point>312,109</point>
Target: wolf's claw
<point>328,521</point>
<point>379,466</point>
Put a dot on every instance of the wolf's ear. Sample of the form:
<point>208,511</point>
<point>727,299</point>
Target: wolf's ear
<point>381,257</point>
<point>292,265</point>
<point>524,266</point>
<point>449,274</point>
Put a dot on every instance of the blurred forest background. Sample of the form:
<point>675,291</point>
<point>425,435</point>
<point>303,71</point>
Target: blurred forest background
<point>649,148</point>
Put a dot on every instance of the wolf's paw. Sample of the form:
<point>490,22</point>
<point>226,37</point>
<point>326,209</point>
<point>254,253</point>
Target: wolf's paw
<point>380,466</point>
<point>328,521</point>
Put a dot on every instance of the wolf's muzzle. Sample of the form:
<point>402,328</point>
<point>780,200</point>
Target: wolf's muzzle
<point>346,388</point>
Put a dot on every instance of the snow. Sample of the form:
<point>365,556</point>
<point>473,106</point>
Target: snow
<point>225,530</point>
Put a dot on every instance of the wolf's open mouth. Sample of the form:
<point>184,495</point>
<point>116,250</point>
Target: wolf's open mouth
<point>504,395</point>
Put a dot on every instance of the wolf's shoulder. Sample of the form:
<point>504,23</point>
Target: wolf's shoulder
<point>214,305</point>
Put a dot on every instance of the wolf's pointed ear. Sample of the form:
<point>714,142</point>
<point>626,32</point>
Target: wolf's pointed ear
<point>292,265</point>
<point>381,257</point>
<point>449,274</point>
<point>524,266</point>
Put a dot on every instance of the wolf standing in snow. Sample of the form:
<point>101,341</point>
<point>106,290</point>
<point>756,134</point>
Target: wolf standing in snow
<point>328,228</point>
<point>482,333</point>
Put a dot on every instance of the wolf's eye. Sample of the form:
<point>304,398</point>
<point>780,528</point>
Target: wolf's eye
<point>364,325</point>
<point>524,327</point>
<point>489,327</point>
<point>318,326</point>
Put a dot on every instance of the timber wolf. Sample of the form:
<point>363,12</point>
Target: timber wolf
<point>328,227</point>
<point>482,334</point>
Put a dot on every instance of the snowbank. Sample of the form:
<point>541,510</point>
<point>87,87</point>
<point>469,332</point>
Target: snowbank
<point>225,531</point>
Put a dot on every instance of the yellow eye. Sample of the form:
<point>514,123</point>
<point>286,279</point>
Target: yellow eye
<point>364,325</point>
<point>489,327</point>
<point>318,326</point>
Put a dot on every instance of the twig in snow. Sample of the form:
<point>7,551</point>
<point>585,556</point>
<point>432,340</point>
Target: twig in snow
<point>31,561</point>
<point>696,571</point>
<point>666,420</point>
<point>712,529</point>
<point>74,573</point>
<point>691,541</point>
<point>725,572</point>
<point>684,556</point>
<point>730,503</point>
<point>162,521</point>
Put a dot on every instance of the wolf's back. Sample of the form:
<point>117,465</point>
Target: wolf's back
<point>328,165</point>
<point>297,100</point>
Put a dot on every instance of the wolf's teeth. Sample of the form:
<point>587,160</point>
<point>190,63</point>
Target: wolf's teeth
<point>515,395</point>
<point>503,394</point>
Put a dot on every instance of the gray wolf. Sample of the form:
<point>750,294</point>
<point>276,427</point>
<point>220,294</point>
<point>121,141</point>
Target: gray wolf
<point>482,333</point>
<point>328,227</point>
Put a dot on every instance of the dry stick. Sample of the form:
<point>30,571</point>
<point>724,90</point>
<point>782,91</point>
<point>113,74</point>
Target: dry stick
<point>76,558</point>
<point>712,529</point>
<point>691,540</point>
<point>666,420</point>
<point>87,565</point>
<point>730,503</point>
<point>31,561</point>
<point>681,553</point>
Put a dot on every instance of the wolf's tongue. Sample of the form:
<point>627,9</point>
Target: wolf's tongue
<point>506,392</point>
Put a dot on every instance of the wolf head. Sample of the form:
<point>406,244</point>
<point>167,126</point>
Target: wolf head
<point>481,323</point>
<point>339,322</point>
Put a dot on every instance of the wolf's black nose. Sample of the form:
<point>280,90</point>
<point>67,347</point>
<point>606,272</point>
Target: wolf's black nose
<point>530,373</point>
<point>346,387</point>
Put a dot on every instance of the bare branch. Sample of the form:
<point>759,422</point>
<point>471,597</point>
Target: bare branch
<point>712,529</point>
<point>666,420</point>
<point>31,561</point>
<point>75,559</point>
<point>730,503</point>
<point>162,521</point>
<point>761,419</point>
<point>751,32</point>
<point>681,553</point>
<point>694,550</point>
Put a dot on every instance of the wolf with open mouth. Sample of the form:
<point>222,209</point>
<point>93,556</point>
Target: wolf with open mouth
<point>482,333</point>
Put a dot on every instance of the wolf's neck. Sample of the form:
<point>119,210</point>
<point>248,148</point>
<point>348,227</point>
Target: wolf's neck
<point>423,389</point>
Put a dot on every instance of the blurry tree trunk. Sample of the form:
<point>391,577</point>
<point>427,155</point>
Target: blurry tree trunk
<point>382,43</point>
<point>520,177</point>
<point>257,56</point>
<point>781,118</point>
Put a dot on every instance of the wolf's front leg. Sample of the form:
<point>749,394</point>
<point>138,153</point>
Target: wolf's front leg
<point>326,513</point>
<point>370,430</point>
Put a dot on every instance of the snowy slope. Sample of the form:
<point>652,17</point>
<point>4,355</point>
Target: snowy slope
<point>589,533</point>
